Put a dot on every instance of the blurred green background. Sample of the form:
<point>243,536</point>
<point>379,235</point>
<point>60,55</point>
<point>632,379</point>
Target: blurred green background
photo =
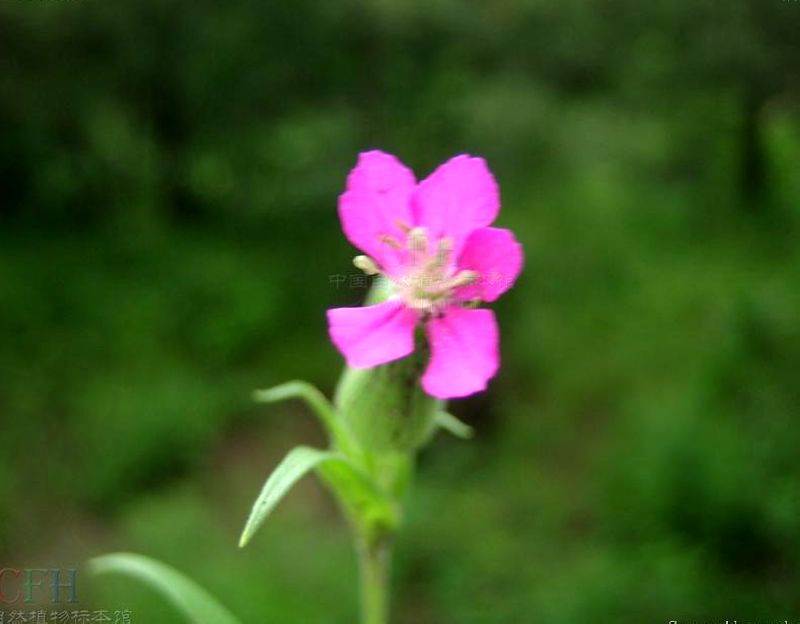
<point>168,235</point>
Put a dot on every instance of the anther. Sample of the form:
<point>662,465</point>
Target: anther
<point>366,264</point>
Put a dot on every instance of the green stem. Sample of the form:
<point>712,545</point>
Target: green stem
<point>374,558</point>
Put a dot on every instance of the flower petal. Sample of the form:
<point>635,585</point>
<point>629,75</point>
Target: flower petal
<point>496,256</point>
<point>378,195</point>
<point>372,335</point>
<point>460,196</point>
<point>464,353</point>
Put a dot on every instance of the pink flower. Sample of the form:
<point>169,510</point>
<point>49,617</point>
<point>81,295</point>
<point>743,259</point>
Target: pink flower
<point>431,241</point>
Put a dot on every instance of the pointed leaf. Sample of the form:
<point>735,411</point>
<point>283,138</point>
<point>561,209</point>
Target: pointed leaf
<point>294,467</point>
<point>356,490</point>
<point>194,602</point>
<point>335,426</point>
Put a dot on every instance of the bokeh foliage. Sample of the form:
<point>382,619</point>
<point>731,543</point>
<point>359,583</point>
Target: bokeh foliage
<point>168,241</point>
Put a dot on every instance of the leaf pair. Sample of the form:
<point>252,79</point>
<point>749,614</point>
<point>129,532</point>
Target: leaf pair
<point>341,437</point>
<point>362,497</point>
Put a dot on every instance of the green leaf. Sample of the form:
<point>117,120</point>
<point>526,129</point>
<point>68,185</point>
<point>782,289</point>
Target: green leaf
<point>294,467</point>
<point>194,602</point>
<point>335,426</point>
<point>450,423</point>
<point>357,491</point>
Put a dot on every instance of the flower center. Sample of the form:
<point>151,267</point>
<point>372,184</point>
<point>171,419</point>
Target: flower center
<point>429,279</point>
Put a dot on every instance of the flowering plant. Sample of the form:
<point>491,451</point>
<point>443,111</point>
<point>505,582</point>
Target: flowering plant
<point>420,340</point>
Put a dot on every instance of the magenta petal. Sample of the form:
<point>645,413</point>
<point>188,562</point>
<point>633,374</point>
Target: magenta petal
<point>458,197</point>
<point>372,335</point>
<point>464,353</point>
<point>378,195</point>
<point>496,256</point>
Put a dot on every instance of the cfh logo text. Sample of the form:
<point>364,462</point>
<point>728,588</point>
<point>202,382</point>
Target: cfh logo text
<point>26,585</point>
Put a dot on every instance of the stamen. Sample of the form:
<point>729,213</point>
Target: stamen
<point>428,282</point>
<point>463,278</point>
<point>390,241</point>
<point>402,225</point>
<point>443,251</point>
<point>366,264</point>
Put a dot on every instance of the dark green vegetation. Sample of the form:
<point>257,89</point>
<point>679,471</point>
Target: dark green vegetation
<point>168,182</point>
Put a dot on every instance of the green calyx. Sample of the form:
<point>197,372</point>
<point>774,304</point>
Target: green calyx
<point>385,407</point>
